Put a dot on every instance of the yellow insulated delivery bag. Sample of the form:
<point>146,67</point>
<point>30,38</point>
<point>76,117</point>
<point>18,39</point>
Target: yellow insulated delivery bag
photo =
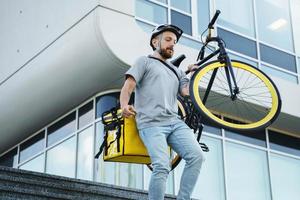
<point>121,139</point>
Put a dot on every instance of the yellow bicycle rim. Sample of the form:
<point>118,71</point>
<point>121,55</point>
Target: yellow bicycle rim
<point>254,71</point>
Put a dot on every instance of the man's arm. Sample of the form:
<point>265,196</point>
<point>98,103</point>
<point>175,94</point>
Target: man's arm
<point>126,91</point>
<point>184,89</point>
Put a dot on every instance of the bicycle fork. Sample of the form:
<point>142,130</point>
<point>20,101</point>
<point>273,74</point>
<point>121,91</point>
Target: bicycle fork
<point>234,91</point>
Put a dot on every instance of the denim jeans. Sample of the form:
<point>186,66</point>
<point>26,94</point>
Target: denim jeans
<point>181,139</point>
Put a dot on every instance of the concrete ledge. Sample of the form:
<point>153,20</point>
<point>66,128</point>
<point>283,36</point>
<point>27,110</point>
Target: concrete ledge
<point>21,184</point>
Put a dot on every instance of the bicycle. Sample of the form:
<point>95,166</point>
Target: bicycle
<point>226,93</point>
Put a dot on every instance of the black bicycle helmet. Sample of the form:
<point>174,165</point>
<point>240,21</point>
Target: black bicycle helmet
<point>165,27</point>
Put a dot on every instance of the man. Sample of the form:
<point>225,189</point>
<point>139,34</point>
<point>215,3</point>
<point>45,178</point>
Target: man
<point>156,87</point>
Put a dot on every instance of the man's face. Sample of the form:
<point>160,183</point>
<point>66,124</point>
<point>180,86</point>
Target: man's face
<point>168,40</point>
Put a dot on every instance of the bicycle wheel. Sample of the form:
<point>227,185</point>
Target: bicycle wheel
<point>255,107</point>
<point>174,157</point>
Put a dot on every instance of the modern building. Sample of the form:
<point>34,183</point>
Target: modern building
<point>62,64</point>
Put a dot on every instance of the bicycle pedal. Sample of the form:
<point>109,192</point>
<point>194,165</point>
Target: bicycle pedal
<point>204,147</point>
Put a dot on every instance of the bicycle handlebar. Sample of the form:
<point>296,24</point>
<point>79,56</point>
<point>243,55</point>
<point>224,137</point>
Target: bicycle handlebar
<point>212,22</point>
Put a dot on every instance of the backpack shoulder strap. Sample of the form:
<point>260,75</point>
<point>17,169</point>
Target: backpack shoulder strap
<point>167,65</point>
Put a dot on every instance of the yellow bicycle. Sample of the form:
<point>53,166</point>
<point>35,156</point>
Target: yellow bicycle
<point>232,94</point>
<point>227,93</point>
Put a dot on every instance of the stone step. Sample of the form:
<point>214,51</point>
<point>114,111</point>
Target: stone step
<point>22,184</point>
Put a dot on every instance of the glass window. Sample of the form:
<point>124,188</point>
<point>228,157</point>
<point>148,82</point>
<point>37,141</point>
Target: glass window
<point>182,21</point>
<point>247,173</point>
<point>163,1</point>
<point>295,7</point>
<point>298,68</point>
<point>212,129</point>
<point>60,159</point>
<point>85,114</point>
<point>284,143</point>
<point>210,184</point>
<point>61,129</point>
<point>190,43</point>
<point>32,146</point>
<point>106,102</point>
<point>151,12</point>
<point>36,164</point>
<point>257,137</point>
<point>285,177</point>
<point>275,72</point>
<point>277,57</point>
<point>108,172</point>
<point>85,155</point>
<point>274,26</point>
<point>146,27</point>
<point>184,5</point>
<point>104,171</point>
<point>240,58</point>
<point>202,15</point>
<point>238,43</point>
<point>237,15</point>
<point>131,175</point>
<point>10,159</point>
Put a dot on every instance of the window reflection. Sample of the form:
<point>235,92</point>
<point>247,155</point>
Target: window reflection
<point>131,175</point>
<point>151,11</point>
<point>182,21</point>
<point>295,7</point>
<point>237,15</point>
<point>285,176</point>
<point>61,129</point>
<point>105,172</point>
<point>184,5</point>
<point>257,137</point>
<point>283,75</point>
<point>202,15</point>
<point>106,102</point>
<point>240,58</point>
<point>284,143</point>
<point>238,43</point>
<point>9,159</point>
<point>247,173</point>
<point>36,164</point>
<point>61,159</point>
<point>278,58</point>
<point>85,114</point>
<point>210,184</point>
<point>274,25</point>
<point>85,154</point>
<point>32,146</point>
<point>212,129</point>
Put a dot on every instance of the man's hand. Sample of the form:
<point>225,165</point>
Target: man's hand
<point>128,111</point>
<point>192,68</point>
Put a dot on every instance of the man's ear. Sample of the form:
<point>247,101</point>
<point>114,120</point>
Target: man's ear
<point>155,42</point>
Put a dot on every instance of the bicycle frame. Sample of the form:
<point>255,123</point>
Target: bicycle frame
<point>222,58</point>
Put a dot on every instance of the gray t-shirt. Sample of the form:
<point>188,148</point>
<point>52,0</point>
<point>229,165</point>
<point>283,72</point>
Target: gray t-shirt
<point>156,92</point>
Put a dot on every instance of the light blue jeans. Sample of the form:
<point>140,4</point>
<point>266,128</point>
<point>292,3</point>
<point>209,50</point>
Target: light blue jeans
<point>181,139</point>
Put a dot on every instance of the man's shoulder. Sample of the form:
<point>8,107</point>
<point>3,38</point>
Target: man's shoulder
<point>142,58</point>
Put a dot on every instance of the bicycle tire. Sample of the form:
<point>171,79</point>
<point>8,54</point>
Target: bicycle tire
<point>257,104</point>
<point>182,112</point>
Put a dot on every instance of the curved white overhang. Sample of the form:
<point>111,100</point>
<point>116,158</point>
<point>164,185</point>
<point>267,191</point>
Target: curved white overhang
<point>77,65</point>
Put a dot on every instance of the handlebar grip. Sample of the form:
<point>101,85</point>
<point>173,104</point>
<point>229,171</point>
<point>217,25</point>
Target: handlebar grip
<point>211,23</point>
<point>178,60</point>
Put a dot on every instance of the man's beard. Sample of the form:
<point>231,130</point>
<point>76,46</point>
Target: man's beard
<point>165,53</point>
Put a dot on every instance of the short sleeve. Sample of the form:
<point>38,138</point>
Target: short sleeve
<point>138,69</point>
